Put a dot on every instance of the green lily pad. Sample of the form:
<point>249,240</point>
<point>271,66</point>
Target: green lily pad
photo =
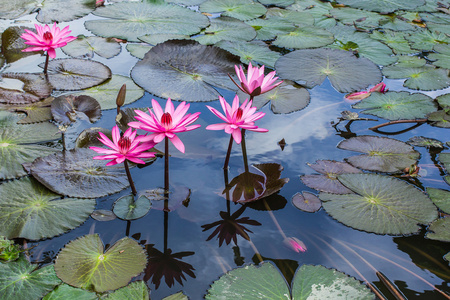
<point>228,29</point>
<point>381,154</point>
<point>12,44</point>
<point>421,141</point>
<point>385,6</point>
<point>442,57</point>
<point>83,263</point>
<point>65,291</point>
<point>327,181</point>
<point>425,40</point>
<point>89,137</point>
<point>346,38</point>
<point>441,198</point>
<point>286,98</point>
<point>268,29</point>
<point>155,39</point>
<point>75,174</point>
<point>240,9</point>
<point>30,211</point>
<point>132,20</point>
<point>399,21</point>
<point>444,101</point>
<point>103,215</point>
<point>360,18</point>
<point>32,88</point>
<point>136,290</point>
<point>67,108</point>
<point>106,93</point>
<point>280,3</point>
<point>36,112</point>
<point>426,78</point>
<point>185,70</point>
<point>15,9</point>
<point>126,208</point>
<point>86,47</point>
<point>439,118</point>
<point>22,280</point>
<point>346,72</point>
<point>397,105</point>
<point>266,281</point>
<point>177,296</point>
<point>440,230</point>
<point>318,9</point>
<point>17,144</point>
<point>306,201</point>
<point>255,52</point>
<point>395,40</point>
<point>381,204</point>
<point>298,18</point>
<point>76,74</point>
<point>187,2</point>
<point>64,10</point>
<point>304,37</point>
<point>138,50</point>
<point>410,61</point>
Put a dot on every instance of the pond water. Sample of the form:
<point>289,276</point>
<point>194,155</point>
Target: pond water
<point>413,262</point>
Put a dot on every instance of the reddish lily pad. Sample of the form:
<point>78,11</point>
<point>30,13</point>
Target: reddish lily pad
<point>306,201</point>
<point>67,108</point>
<point>35,88</point>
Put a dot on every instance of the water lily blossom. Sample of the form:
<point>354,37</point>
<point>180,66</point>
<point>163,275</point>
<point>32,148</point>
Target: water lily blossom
<point>166,123</point>
<point>381,88</point>
<point>255,83</point>
<point>126,147</point>
<point>47,39</point>
<point>236,117</point>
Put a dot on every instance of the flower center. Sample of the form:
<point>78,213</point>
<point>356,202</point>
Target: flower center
<point>124,144</point>
<point>239,113</point>
<point>166,120</point>
<point>48,37</point>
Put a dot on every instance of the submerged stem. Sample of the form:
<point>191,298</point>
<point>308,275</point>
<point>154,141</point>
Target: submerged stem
<point>244,150</point>
<point>398,122</point>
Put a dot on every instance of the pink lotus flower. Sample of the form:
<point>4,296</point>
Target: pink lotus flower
<point>167,123</point>
<point>381,88</point>
<point>47,39</point>
<point>255,83</point>
<point>236,118</point>
<point>124,147</point>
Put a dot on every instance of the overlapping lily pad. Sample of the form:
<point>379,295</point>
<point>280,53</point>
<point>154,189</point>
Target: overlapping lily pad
<point>185,70</point>
<point>346,72</point>
<point>421,141</point>
<point>359,18</point>
<point>385,6</point>
<point>177,296</point>
<point>327,181</point>
<point>240,9</point>
<point>440,230</point>
<point>36,112</point>
<point>22,280</point>
<point>281,3</point>
<point>12,44</point>
<point>16,144</point>
<point>266,281</point>
<point>442,57</point>
<point>83,263</point>
<point>441,198</point>
<point>228,29</point>
<point>395,40</point>
<point>65,291</point>
<point>67,108</point>
<point>426,78</point>
<point>135,290</point>
<point>138,50</point>
<point>381,154</point>
<point>86,46</point>
<point>31,211</point>
<point>89,137</point>
<point>380,204</point>
<point>439,118</point>
<point>16,9</point>
<point>74,173</point>
<point>425,40</point>
<point>268,29</point>
<point>76,74</point>
<point>155,39</point>
<point>131,20</point>
<point>304,37</point>
<point>298,18</point>
<point>63,10</point>
<point>34,87</point>
<point>397,105</point>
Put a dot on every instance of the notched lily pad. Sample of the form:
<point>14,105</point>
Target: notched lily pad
<point>74,173</point>
<point>64,10</point>
<point>67,108</point>
<point>381,154</point>
<point>380,204</point>
<point>83,263</point>
<point>426,78</point>
<point>226,28</point>
<point>129,208</point>
<point>185,70</point>
<point>421,141</point>
<point>306,201</point>
<point>76,74</point>
<point>36,112</point>
<point>304,37</point>
<point>440,230</point>
<point>86,47</point>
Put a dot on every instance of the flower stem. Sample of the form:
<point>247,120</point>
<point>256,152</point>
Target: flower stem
<point>398,122</point>
<point>46,63</point>
<point>130,180</point>
<point>244,150</point>
<point>166,174</point>
<point>63,140</point>
<point>227,159</point>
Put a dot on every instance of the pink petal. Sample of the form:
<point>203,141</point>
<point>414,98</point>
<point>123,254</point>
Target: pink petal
<point>177,143</point>
<point>237,135</point>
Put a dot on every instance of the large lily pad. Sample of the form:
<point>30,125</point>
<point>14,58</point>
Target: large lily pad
<point>65,291</point>
<point>304,37</point>
<point>76,74</point>
<point>426,78</point>
<point>425,40</point>
<point>136,290</point>
<point>228,29</point>
<point>346,72</point>
<point>31,211</point>
<point>266,282</point>
<point>385,6</point>
<point>298,18</point>
<point>381,204</point>
<point>185,70</point>
<point>64,10</point>
<point>327,181</point>
<point>22,280</point>
<point>397,105</point>
<point>16,144</point>
<point>131,20</point>
<point>83,263</point>
<point>360,18</point>
<point>440,230</point>
<point>67,108</point>
<point>268,29</point>
<point>240,9</point>
<point>86,47</point>
<point>33,87</point>
<point>381,154</point>
<point>74,173</point>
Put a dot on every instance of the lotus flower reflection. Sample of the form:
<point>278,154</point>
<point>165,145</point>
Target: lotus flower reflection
<point>237,117</point>
<point>47,39</point>
<point>127,147</point>
<point>166,123</point>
